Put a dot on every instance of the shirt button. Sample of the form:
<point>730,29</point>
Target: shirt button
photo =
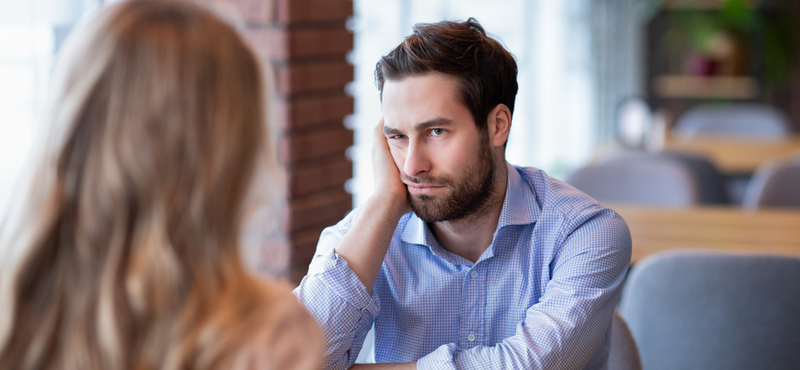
<point>471,337</point>
<point>474,274</point>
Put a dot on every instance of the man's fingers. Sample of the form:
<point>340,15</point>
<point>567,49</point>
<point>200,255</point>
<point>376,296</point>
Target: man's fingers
<point>379,140</point>
<point>378,133</point>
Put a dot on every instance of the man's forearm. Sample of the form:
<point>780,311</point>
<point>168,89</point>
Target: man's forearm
<point>365,244</point>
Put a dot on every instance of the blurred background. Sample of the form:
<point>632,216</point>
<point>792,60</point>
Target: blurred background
<point>597,78</point>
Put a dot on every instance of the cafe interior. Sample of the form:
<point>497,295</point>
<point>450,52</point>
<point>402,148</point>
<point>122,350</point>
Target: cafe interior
<point>683,116</point>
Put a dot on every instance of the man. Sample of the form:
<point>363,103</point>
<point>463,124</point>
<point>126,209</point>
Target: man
<point>461,260</point>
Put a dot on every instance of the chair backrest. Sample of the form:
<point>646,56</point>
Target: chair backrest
<point>623,355</point>
<point>698,310</point>
<point>711,182</point>
<point>737,120</point>
<point>774,184</point>
<point>640,180</point>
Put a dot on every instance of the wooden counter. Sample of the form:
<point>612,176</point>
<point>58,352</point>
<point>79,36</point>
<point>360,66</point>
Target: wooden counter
<point>723,228</point>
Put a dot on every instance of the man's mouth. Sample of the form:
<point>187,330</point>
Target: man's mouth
<point>423,189</point>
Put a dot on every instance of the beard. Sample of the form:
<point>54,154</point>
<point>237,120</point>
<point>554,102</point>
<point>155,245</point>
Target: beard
<point>469,194</point>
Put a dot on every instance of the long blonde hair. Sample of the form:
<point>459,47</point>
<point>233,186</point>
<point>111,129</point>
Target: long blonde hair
<point>128,248</point>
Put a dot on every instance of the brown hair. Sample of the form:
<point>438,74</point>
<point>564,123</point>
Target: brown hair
<point>127,250</point>
<point>486,71</point>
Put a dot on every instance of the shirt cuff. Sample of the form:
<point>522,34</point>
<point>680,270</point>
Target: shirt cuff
<point>333,271</point>
<point>440,359</point>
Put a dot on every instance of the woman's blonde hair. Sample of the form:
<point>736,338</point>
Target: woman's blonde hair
<point>128,250</point>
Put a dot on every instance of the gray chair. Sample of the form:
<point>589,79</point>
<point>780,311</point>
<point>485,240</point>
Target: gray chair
<point>774,184</point>
<point>713,188</point>
<point>647,180</point>
<point>702,310</point>
<point>623,355</point>
<point>737,120</point>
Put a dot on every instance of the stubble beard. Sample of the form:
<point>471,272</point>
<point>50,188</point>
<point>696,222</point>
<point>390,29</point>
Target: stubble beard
<point>469,195</point>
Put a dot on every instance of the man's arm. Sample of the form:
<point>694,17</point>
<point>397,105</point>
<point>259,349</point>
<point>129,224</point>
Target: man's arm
<point>338,289</point>
<point>364,246</point>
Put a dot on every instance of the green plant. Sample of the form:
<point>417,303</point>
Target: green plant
<point>774,30</point>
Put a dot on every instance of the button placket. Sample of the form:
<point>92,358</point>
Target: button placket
<point>473,307</point>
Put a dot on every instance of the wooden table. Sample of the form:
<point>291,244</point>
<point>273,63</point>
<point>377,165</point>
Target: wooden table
<point>735,156</point>
<point>723,228</point>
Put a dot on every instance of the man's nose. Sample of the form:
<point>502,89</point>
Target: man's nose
<point>416,161</point>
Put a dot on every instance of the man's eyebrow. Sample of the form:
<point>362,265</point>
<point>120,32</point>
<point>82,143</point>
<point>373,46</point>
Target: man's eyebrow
<point>436,122</point>
<point>391,131</point>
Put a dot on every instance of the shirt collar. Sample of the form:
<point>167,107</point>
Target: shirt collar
<point>519,208</point>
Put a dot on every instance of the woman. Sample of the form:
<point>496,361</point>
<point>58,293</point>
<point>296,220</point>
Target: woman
<point>126,254</point>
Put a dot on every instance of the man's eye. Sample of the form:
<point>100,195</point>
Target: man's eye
<point>437,131</point>
<point>397,137</point>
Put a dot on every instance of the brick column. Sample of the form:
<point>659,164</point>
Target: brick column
<point>306,42</point>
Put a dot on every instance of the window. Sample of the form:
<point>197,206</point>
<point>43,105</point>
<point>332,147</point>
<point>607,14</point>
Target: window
<point>30,34</point>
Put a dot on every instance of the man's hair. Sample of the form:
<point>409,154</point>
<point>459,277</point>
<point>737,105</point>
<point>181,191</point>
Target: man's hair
<point>486,71</point>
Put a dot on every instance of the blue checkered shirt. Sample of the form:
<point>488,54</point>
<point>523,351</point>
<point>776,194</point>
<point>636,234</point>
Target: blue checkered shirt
<point>540,297</point>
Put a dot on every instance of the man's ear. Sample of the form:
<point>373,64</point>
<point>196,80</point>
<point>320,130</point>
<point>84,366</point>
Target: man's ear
<point>499,122</point>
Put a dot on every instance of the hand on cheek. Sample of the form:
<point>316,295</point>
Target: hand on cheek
<point>385,171</point>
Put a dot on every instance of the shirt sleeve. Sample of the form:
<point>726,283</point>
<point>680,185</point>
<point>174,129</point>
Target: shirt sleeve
<point>569,323</point>
<point>336,298</point>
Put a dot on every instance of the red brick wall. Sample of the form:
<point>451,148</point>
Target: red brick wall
<point>306,42</point>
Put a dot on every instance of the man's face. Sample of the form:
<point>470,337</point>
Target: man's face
<point>444,160</point>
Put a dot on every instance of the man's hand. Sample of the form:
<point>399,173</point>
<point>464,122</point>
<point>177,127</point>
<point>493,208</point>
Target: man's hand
<point>387,176</point>
<point>365,244</point>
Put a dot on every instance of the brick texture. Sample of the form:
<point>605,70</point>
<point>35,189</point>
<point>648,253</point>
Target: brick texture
<point>326,41</point>
<point>254,11</point>
<point>316,177</point>
<point>282,44</point>
<point>322,143</point>
<point>318,209</point>
<point>300,11</point>
<point>306,43</point>
<point>307,111</point>
<point>311,77</point>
